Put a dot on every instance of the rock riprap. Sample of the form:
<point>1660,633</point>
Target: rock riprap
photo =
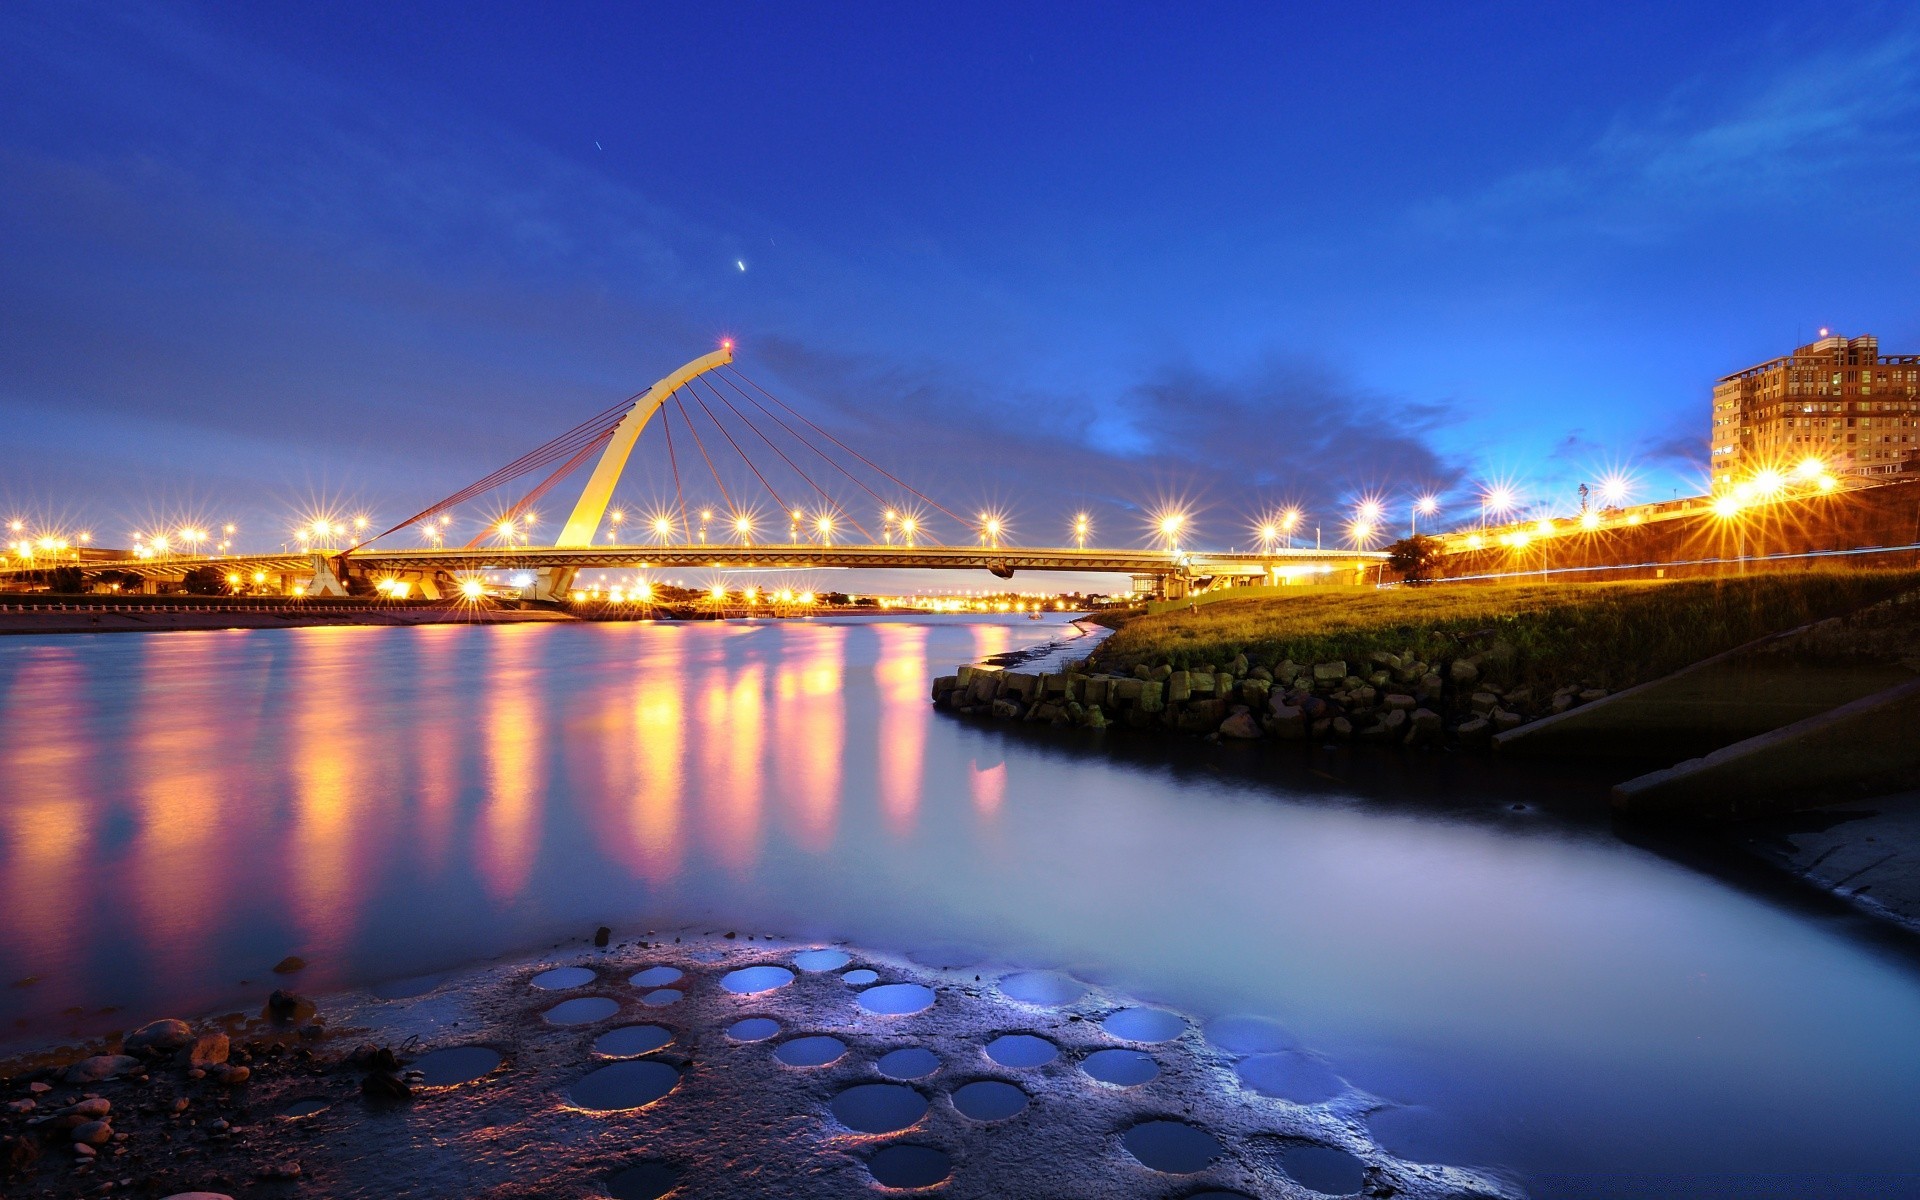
<point>777,1071</point>
<point>1390,699</point>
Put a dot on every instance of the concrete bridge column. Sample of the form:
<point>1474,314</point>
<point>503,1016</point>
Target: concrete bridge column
<point>325,581</point>
<point>552,584</point>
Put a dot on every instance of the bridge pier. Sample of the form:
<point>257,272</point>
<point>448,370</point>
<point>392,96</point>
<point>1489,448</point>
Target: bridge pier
<point>326,582</point>
<point>552,584</point>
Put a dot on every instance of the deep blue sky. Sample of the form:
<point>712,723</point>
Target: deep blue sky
<point>257,256</point>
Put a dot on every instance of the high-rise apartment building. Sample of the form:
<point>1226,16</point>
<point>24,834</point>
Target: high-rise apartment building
<point>1838,400</point>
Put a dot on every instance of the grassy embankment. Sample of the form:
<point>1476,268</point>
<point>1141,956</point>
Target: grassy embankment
<point>1611,635</point>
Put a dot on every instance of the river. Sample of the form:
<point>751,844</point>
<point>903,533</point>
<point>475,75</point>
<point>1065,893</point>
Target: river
<point>180,811</point>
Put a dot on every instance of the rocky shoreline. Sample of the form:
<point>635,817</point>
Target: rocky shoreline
<point>704,1065</point>
<point>1390,699</point>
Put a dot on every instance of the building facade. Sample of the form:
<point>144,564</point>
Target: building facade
<point>1838,400</point>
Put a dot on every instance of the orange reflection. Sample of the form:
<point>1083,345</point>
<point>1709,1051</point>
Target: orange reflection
<point>331,778</point>
<point>649,769</point>
<point>901,676</point>
<point>732,737</point>
<point>989,787</point>
<point>508,837</point>
<point>435,749</point>
<point>47,833</point>
<point>810,728</point>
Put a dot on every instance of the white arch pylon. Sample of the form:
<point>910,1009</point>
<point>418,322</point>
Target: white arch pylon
<point>584,522</point>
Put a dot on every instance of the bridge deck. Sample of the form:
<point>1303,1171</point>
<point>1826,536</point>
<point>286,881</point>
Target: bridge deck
<point>761,557</point>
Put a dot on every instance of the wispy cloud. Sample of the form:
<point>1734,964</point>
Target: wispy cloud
<point>1799,128</point>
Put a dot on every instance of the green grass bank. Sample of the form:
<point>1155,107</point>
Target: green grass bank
<point>1613,635</point>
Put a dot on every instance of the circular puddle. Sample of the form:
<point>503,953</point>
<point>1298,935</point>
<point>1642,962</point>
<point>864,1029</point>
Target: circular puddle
<point>1144,1025</point>
<point>989,1100</point>
<point>644,1181</point>
<point>748,980</point>
<point>1046,988</point>
<point>822,960</point>
<point>879,1107</point>
<point>1121,1068</point>
<point>897,999</point>
<point>456,1064</point>
<point>401,989</point>
<point>657,976</point>
<point>908,1167</point>
<point>1289,1076</point>
<point>622,1085</point>
<point>1022,1050</point>
<point>815,1051</point>
<point>860,977</point>
<point>1324,1169</point>
<point>581,1010</point>
<point>661,997</point>
<point>913,1062</point>
<point>753,1029</point>
<point>1173,1147</point>
<point>306,1106</point>
<point>561,978</point>
<point>632,1039</point>
<point>1249,1035</point>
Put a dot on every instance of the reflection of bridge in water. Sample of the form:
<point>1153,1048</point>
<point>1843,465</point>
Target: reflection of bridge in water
<point>729,401</point>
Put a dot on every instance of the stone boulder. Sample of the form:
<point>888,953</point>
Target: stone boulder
<point>1329,672</point>
<point>1397,700</point>
<point>1180,686</point>
<point>1504,720</point>
<point>99,1067</point>
<point>211,1048</point>
<point>1287,721</point>
<point>1240,724</point>
<point>1464,671</point>
<point>165,1036</point>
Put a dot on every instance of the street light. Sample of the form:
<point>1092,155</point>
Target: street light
<point>1425,506</point>
<point>1170,525</point>
<point>1498,499</point>
<point>990,528</point>
<point>1082,526</point>
<point>907,528</point>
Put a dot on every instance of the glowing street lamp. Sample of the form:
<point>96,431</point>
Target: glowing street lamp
<point>793,525</point>
<point>1169,526</point>
<point>908,526</point>
<point>990,527</point>
<point>1362,532</point>
<point>824,527</point>
<point>743,528</point>
<point>1269,534</point>
<point>1613,490</point>
<point>1498,500</point>
<point>1425,506</point>
<point>1082,526</point>
<point>662,529</point>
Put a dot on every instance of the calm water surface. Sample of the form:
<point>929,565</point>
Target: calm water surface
<point>179,811</point>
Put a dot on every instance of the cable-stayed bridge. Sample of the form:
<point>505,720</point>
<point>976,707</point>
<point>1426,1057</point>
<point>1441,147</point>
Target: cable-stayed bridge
<point>787,510</point>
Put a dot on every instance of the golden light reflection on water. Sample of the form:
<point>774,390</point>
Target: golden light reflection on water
<point>48,823</point>
<point>507,838</point>
<point>810,732</point>
<point>435,748</point>
<point>331,773</point>
<point>900,673</point>
<point>731,735</point>
<point>646,767</point>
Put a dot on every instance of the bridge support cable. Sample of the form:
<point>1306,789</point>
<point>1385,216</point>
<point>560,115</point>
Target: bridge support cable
<point>751,465</point>
<point>565,469</point>
<point>679,496</point>
<point>732,371</point>
<point>795,467</point>
<point>594,432</point>
<point>857,481</point>
<point>717,481</point>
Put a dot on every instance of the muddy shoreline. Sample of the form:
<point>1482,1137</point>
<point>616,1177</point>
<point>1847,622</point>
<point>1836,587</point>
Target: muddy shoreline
<point>709,1064</point>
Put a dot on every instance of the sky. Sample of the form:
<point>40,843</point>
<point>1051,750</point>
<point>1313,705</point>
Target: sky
<point>260,261</point>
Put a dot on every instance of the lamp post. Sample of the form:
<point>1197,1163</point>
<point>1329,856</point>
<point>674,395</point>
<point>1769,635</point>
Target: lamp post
<point>1425,506</point>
